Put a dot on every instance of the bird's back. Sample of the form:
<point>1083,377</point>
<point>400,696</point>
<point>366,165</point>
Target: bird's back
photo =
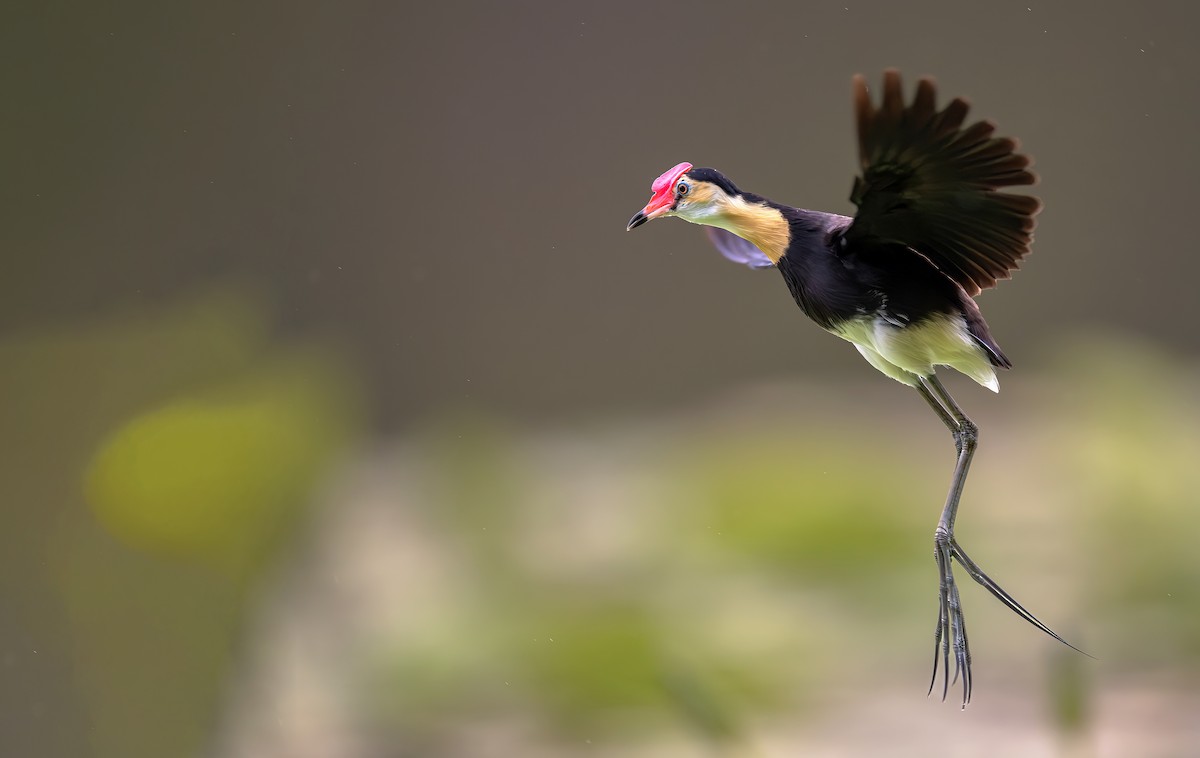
<point>903,313</point>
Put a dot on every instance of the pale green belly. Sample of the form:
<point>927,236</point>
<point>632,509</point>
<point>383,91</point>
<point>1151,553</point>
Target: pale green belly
<point>915,350</point>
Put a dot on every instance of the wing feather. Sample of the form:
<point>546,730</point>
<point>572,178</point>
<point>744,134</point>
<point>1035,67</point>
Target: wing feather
<point>931,184</point>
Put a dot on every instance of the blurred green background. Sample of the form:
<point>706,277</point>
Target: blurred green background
<point>343,418</point>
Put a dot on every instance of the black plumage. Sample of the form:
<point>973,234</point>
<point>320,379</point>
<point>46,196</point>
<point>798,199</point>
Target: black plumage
<point>931,185</point>
<point>716,178</point>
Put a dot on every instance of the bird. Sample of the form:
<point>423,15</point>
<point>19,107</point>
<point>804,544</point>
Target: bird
<point>898,280</point>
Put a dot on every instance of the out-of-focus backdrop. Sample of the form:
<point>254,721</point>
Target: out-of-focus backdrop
<point>342,417</point>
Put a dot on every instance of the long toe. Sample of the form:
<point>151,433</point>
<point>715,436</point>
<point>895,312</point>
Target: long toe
<point>951,631</point>
<point>977,574</point>
<point>941,634</point>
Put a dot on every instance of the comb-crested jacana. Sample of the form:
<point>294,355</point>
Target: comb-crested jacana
<point>898,279</point>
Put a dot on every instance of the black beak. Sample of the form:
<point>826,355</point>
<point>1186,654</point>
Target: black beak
<point>638,219</point>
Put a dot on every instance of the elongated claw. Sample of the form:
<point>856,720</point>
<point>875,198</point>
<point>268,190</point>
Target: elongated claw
<point>978,575</point>
<point>951,627</point>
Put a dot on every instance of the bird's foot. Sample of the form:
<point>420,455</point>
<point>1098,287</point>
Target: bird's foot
<point>951,629</point>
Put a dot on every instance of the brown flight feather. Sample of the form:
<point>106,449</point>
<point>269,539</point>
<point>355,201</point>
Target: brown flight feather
<point>930,184</point>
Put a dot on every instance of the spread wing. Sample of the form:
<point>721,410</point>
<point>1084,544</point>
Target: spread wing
<point>737,249</point>
<point>929,183</point>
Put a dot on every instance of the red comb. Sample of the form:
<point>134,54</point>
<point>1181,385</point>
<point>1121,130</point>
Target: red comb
<point>669,176</point>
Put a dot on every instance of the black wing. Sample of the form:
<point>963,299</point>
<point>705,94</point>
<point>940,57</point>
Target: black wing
<point>930,184</point>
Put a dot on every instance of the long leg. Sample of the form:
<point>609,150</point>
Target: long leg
<point>951,627</point>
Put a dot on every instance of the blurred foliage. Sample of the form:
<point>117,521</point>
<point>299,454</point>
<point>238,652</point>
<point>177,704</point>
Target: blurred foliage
<point>478,490</point>
<point>655,639</point>
<point>198,441</point>
<point>763,548</point>
<point>217,475</point>
<point>1070,693</point>
<point>716,576</point>
<point>831,508</point>
<point>1132,434</point>
<point>595,656</point>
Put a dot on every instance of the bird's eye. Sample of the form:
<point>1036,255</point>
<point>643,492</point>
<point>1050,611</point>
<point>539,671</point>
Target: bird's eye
<point>681,190</point>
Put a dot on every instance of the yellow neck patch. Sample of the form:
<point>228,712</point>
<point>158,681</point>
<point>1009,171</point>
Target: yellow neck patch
<point>763,226</point>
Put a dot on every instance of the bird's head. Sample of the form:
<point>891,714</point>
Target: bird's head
<point>699,195</point>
